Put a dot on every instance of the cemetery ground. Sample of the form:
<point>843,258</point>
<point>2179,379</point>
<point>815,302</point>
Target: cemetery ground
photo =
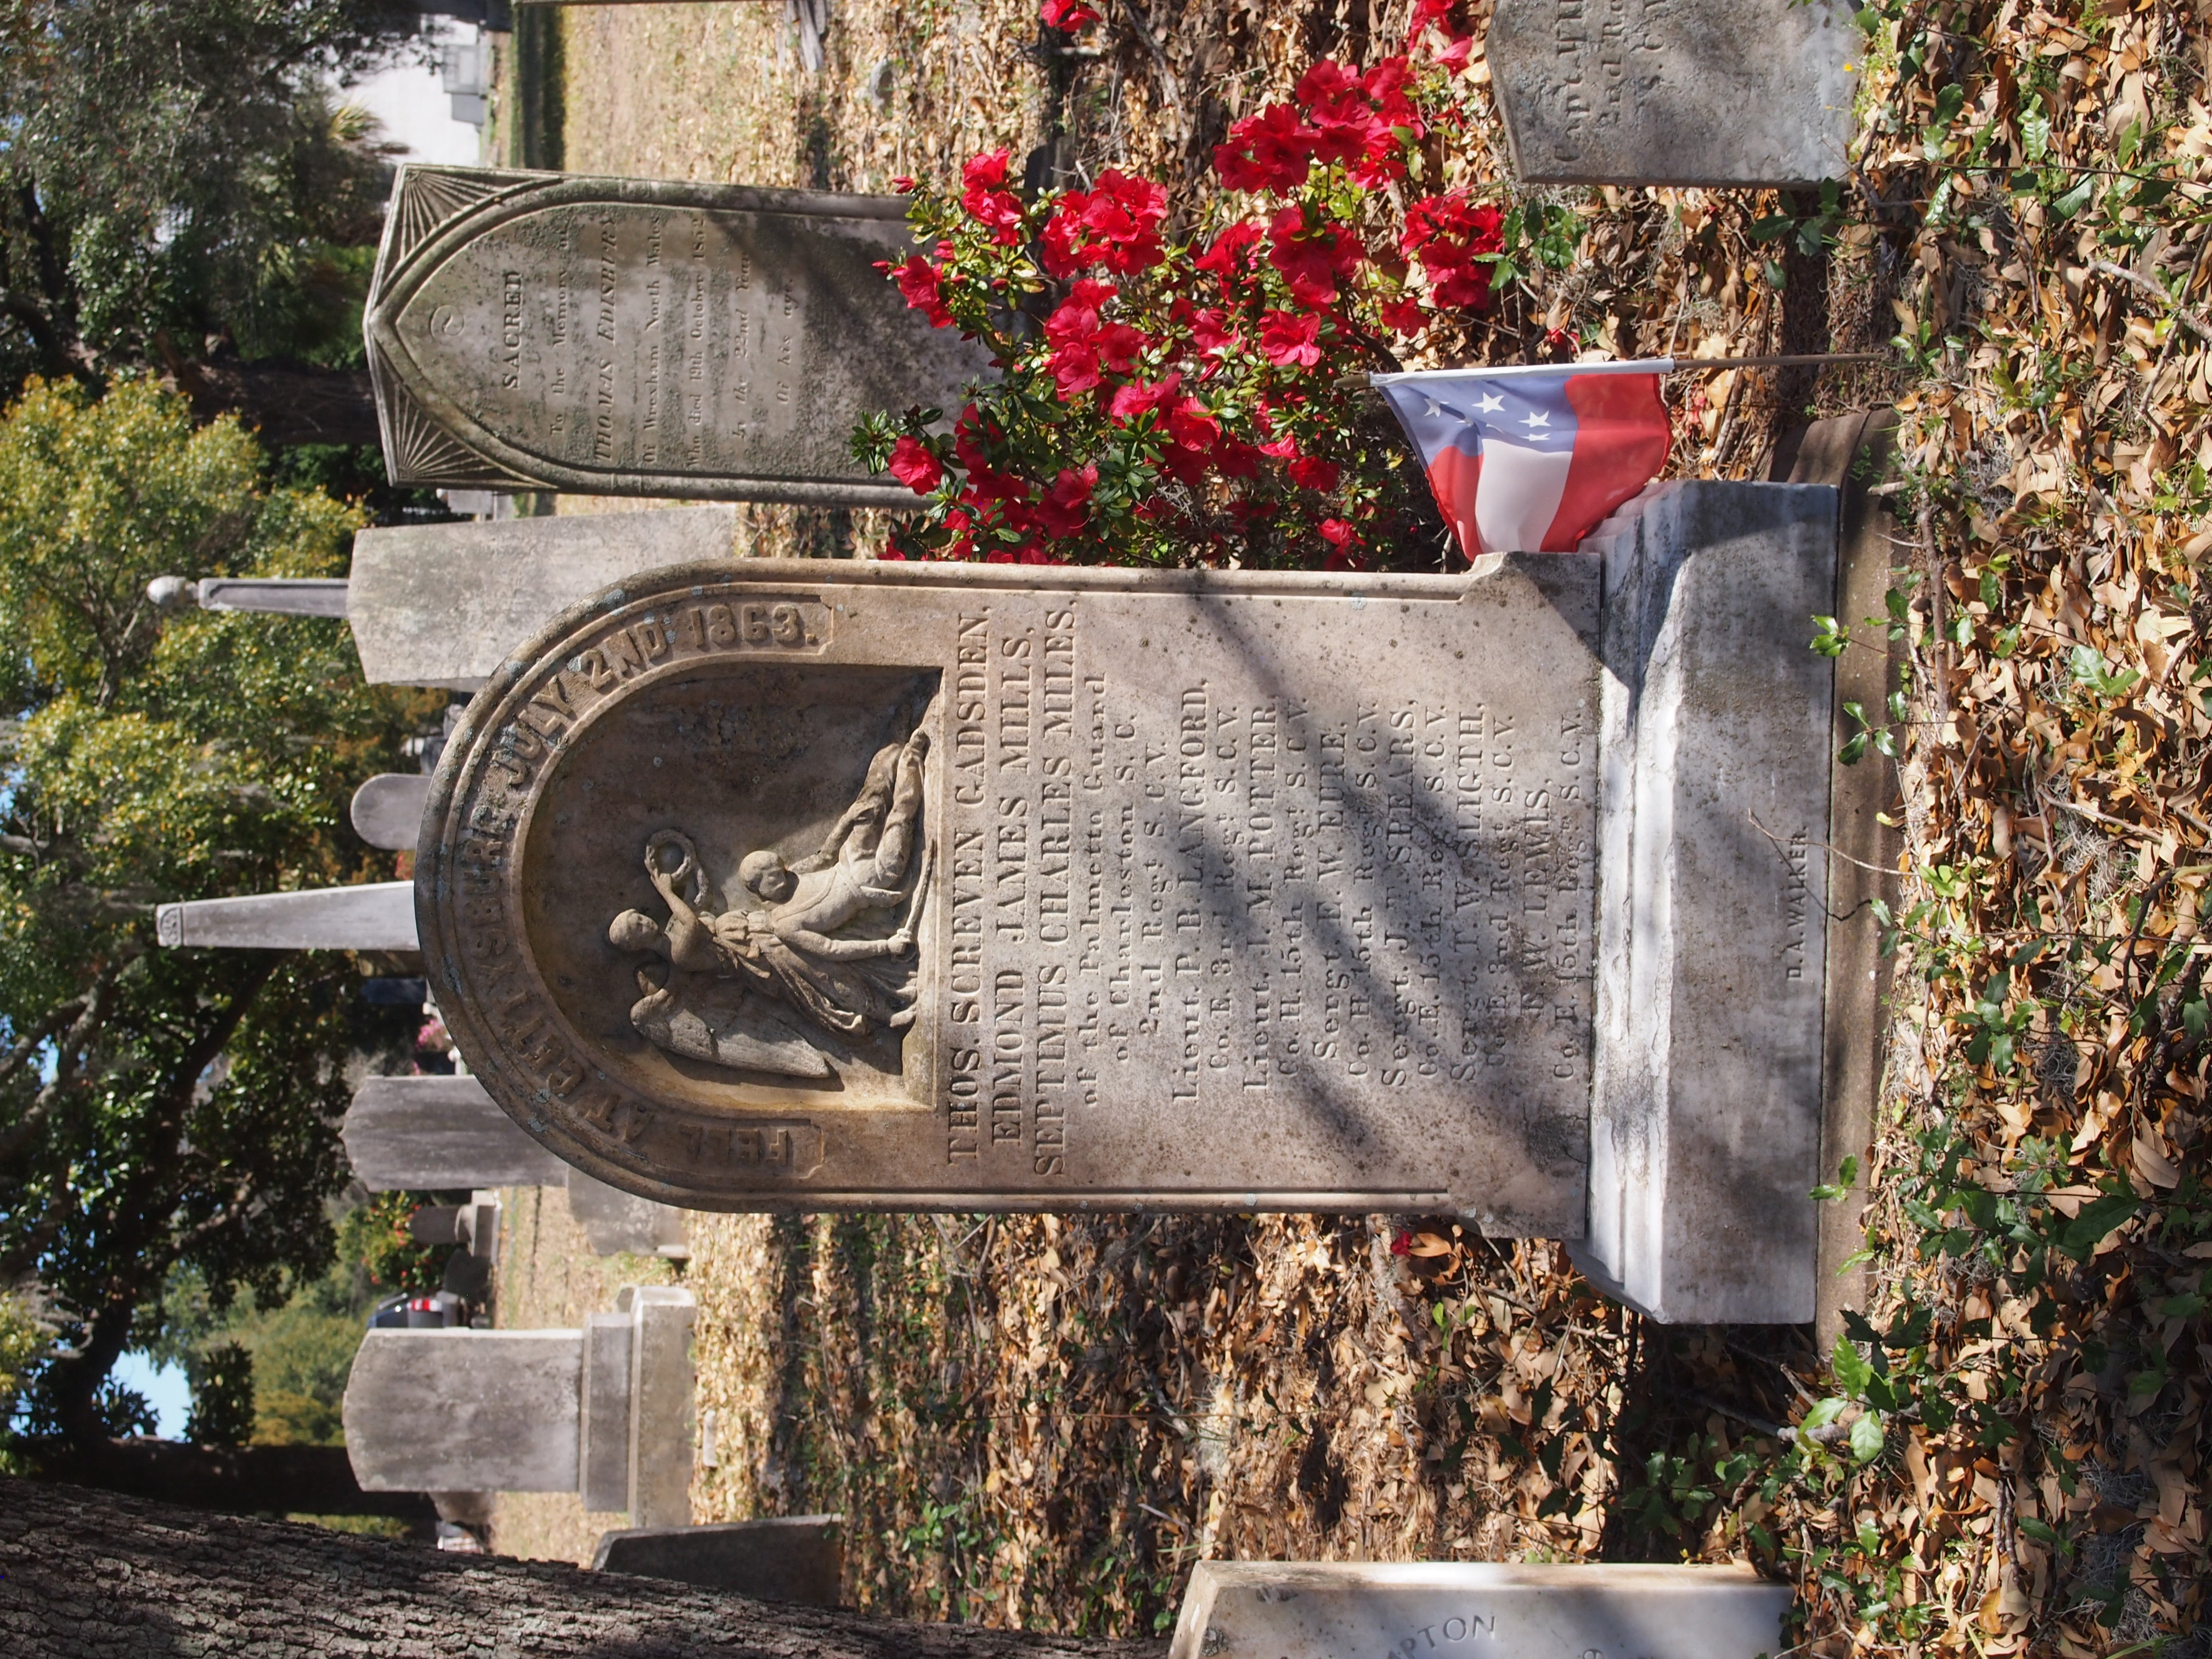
<point>1041,1421</point>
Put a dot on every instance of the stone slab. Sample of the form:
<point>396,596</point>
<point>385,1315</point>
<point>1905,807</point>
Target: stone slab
<point>617,1222</point>
<point>662,1387</point>
<point>1244,892</point>
<point>440,1134</point>
<point>377,915</point>
<point>1667,92</point>
<point>800,1558</point>
<point>464,1410</point>
<point>1705,1115</point>
<point>388,810</point>
<point>1855,453</point>
<point>1476,1610</point>
<point>292,596</point>
<point>445,604</point>
<point>634,336</point>
<point>604,1458</point>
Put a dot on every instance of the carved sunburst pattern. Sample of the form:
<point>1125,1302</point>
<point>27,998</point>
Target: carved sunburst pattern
<point>428,197</point>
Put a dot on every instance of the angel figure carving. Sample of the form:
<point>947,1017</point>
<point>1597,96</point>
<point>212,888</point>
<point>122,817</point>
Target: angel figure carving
<point>737,981</point>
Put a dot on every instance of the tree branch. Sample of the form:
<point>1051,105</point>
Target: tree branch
<point>69,1050</point>
<point>53,1021</point>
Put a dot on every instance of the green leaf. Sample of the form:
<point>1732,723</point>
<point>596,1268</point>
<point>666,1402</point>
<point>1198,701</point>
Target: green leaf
<point>2079,1238</point>
<point>1849,1368</point>
<point>1867,1437</point>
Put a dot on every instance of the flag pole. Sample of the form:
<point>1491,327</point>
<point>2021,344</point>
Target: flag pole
<point>1802,360</point>
<point>1674,365</point>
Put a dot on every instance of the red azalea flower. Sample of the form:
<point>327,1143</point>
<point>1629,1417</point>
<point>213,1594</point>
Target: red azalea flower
<point>986,202</point>
<point>986,171</point>
<point>1117,345</point>
<point>1288,341</point>
<point>1066,507</point>
<point>1068,15</point>
<point>914,464</point>
<point>1404,317</point>
<point>1446,234</point>
<point>1192,425</point>
<point>1386,84</point>
<point>1236,459</point>
<point>1140,398</point>
<point>1312,260</point>
<point>1314,473</point>
<point>1337,533</point>
<point>1116,225</point>
<point>902,184</point>
<point>1228,258</point>
<point>1270,151</point>
<point>921,283</point>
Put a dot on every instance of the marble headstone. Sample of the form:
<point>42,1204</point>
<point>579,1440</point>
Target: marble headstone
<point>1116,889</point>
<point>1675,92</point>
<point>605,1412</point>
<point>1477,1610</point>
<point>907,887</point>
<point>628,336</point>
<point>440,1134</point>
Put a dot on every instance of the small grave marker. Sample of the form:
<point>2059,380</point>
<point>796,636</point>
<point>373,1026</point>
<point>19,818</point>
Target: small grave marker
<point>1660,91</point>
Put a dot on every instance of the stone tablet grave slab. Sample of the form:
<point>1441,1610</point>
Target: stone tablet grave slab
<point>632,337</point>
<point>1243,892</point>
<point>798,1558</point>
<point>605,1412</point>
<point>1477,1610</point>
<point>444,604</point>
<point>1668,92</point>
<point>440,1134</point>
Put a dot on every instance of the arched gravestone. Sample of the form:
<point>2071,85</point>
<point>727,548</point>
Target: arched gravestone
<point>1675,92</point>
<point>628,336</point>
<point>759,884</point>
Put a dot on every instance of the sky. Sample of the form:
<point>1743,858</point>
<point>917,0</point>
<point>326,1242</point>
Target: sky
<point>166,1391</point>
<point>408,100</point>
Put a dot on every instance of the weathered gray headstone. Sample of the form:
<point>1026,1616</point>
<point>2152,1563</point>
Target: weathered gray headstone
<point>1667,92</point>
<point>800,1558</point>
<point>440,1134</point>
<point>1478,1610</point>
<point>618,1223</point>
<point>466,1409</point>
<point>508,1411</point>
<point>388,810</point>
<point>631,337</point>
<point>445,604</point>
<point>951,886</point>
<point>377,915</point>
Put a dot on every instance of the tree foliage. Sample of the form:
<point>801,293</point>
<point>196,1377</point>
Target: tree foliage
<point>163,1108</point>
<point>179,169</point>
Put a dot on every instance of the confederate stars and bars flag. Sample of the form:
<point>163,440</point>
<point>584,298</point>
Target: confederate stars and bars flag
<point>1532,459</point>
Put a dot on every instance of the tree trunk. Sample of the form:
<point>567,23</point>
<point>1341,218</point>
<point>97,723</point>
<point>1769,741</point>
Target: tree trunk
<point>242,1479</point>
<point>285,402</point>
<point>84,1574</point>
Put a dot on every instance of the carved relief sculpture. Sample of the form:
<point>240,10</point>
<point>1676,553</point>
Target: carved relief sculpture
<point>736,981</point>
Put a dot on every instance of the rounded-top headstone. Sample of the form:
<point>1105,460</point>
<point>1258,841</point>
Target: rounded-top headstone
<point>633,337</point>
<point>908,887</point>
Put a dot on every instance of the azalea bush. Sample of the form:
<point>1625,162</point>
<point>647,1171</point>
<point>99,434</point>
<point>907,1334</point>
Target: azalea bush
<point>1202,398</point>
